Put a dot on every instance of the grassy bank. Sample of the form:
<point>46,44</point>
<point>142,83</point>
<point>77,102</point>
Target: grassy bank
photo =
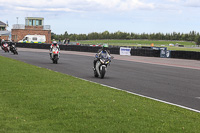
<point>146,43</point>
<point>135,42</point>
<point>34,99</point>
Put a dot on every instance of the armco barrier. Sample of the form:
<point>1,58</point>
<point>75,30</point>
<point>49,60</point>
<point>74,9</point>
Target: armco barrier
<point>115,50</point>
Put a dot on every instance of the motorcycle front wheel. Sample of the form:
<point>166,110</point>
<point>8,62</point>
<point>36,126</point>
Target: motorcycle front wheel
<point>103,71</point>
<point>55,60</point>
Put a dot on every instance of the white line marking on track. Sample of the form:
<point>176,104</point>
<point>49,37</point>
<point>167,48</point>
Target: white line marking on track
<point>198,111</point>
<point>198,97</point>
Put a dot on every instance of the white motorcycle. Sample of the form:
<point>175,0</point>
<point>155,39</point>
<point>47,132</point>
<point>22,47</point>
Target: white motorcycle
<point>5,47</point>
<point>101,66</point>
<point>55,55</point>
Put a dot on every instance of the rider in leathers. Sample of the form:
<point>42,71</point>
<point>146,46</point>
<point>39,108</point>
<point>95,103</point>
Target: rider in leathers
<point>104,50</point>
<point>11,46</point>
<point>54,43</point>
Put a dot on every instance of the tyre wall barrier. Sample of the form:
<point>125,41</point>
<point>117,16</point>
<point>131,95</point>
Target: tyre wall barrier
<point>145,52</point>
<point>33,45</point>
<point>185,55</point>
<point>115,50</point>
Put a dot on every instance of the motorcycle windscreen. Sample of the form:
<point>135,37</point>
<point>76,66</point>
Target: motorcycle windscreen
<point>104,55</point>
<point>55,50</point>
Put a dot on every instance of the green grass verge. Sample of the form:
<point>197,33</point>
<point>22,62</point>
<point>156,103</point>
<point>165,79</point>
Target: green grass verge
<point>146,43</point>
<point>34,99</point>
<point>183,49</point>
<point>133,42</point>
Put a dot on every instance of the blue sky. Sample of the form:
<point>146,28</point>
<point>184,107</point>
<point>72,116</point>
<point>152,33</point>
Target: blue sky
<point>86,16</point>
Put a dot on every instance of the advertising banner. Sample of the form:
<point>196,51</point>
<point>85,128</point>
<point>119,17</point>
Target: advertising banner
<point>125,51</point>
<point>168,54</point>
<point>164,53</point>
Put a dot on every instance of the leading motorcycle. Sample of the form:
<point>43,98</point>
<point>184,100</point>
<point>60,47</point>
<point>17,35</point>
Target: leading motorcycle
<point>101,65</point>
<point>55,55</point>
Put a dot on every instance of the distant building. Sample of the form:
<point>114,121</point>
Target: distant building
<point>33,26</point>
<point>2,26</point>
<point>3,31</point>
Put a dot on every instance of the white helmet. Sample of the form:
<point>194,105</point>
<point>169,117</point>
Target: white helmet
<point>54,42</point>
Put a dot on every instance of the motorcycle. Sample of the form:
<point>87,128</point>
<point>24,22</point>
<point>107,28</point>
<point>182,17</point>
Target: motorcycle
<point>55,55</point>
<point>101,66</point>
<point>13,49</point>
<point>5,47</point>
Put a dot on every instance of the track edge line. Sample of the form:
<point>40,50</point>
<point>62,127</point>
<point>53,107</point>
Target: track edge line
<point>162,101</point>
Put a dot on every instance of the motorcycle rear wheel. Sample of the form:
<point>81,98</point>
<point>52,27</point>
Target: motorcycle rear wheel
<point>95,74</point>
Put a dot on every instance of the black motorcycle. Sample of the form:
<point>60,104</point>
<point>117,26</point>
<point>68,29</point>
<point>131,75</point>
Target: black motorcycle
<point>13,49</point>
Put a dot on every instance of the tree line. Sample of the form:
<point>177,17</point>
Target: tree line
<point>191,36</point>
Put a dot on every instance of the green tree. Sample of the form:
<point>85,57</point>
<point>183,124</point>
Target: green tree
<point>197,40</point>
<point>106,35</point>
<point>191,36</point>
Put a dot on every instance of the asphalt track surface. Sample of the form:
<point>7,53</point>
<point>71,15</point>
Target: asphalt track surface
<point>172,80</point>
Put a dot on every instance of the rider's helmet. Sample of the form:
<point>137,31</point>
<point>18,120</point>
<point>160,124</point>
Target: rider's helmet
<point>105,47</point>
<point>54,43</point>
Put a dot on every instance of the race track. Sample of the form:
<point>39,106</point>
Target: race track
<point>171,80</point>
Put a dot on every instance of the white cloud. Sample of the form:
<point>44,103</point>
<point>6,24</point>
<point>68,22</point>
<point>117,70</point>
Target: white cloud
<point>85,16</point>
<point>57,7</point>
<point>175,1</point>
<point>29,9</point>
<point>123,5</point>
<point>192,3</point>
<point>94,5</point>
<point>135,4</point>
<point>75,5</point>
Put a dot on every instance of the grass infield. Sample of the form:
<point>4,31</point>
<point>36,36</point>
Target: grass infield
<point>34,99</point>
<point>188,46</point>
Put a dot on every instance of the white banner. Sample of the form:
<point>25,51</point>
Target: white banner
<point>125,51</point>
